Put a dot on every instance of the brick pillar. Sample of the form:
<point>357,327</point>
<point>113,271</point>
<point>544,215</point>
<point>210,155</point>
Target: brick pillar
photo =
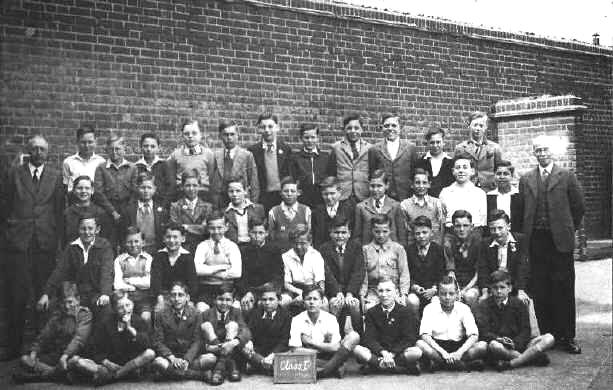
<point>519,120</point>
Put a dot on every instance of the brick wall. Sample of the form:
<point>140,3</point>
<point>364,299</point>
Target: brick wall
<point>137,65</point>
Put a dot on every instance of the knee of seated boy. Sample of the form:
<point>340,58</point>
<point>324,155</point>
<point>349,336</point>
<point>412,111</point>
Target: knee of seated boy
<point>413,302</point>
<point>471,297</point>
<point>202,307</point>
<point>286,299</point>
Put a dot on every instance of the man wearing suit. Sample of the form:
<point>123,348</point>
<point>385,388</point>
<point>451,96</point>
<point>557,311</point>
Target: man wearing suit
<point>344,264</point>
<point>436,162</point>
<point>273,159</point>
<point>397,157</point>
<point>505,197</point>
<point>232,161</point>
<point>31,203</point>
<point>553,209</point>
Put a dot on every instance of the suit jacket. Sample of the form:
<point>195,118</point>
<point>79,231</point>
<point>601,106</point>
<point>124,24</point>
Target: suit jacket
<point>399,170</point>
<point>565,205</point>
<point>254,211</point>
<point>29,213</point>
<point>517,210</point>
<point>444,177</point>
<point>160,215</point>
<point>196,221</point>
<point>243,167</point>
<point>320,220</point>
<point>270,337</point>
<point>349,276</point>
<point>517,262</point>
<point>284,162</point>
<point>351,173</point>
<point>394,334</point>
<point>178,336</point>
<point>511,321</point>
<point>365,212</point>
<point>309,174</point>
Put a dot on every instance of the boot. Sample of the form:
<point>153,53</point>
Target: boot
<point>219,372</point>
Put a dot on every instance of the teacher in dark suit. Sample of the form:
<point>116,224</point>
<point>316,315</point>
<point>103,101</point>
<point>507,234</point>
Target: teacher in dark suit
<point>31,202</point>
<point>553,209</point>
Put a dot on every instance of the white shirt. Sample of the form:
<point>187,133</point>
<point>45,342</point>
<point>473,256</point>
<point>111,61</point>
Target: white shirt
<point>75,166</point>
<point>502,251</point>
<point>232,152</point>
<point>142,205</point>
<point>134,282</point>
<point>455,326</point>
<point>147,166</point>
<point>436,162</point>
<point>310,271</point>
<point>392,147</point>
<point>242,220</point>
<point>326,324</point>
<point>205,251</point>
<point>123,162</point>
<point>39,170</point>
<point>191,204</point>
<point>469,198</point>
<point>548,168</point>
<point>85,251</point>
<point>503,201</point>
<point>381,202</point>
<point>173,259</point>
<point>332,210</point>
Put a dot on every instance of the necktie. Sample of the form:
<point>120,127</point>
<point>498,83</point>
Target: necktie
<point>331,212</point>
<point>227,165</point>
<point>145,209</point>
<point>192,151</point>
<point>378,204</point>
<point>223,317</point>
<point>340,251</point>
<point>216,249</point>
<point>545,175</point>
<point>269,148</point>
<point>354,150</point>
<point>35,178</point>
<point>268,316</point>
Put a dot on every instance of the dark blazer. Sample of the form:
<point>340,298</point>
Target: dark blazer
<point>233,314</point>
<point>163,274</point>
<point>119,347</point>
<point>179,336</point>
<point>29,213</point>
<point>310,172</point>
<point>270,336</point>
<point>350,276</point>
<point>254,211</point>
<point>93,279</point>
<point>284,162</point>
<point>399,170</point>
<point>429,271</point>
<point>511,321</point>
<point>517,210</point>
<point>72,215</point>
<point>444,177</point>
<point>260,265</point>
<point>517,262</point>
<point>565,205</point>
<point>320,220</point>
<point>393,335</point>
<point>160,215</point>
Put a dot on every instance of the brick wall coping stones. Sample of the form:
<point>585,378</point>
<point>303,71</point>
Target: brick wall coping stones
<point>539,105</point>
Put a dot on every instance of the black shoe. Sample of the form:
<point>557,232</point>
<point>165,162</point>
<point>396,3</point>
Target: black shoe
<point>340,372</point>
<point>571,347</point>
<point>475,365</point>
<point>503,365</point>
<point>217,377</point>
<point>366,369</point>
<point>234,375</point>
<point>542,360</point>
<point>414,368</point>
<point>103,376</point>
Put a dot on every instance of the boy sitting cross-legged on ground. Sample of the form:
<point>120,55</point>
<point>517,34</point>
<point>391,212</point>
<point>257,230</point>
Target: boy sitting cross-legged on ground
<point>225,334</point>
<point>449,333</point>
<point>390,335</point>
<point>269,324</point>
<point>120,346</point>
<point>504,324</point>
<point>63,336</point>
<point>176,338</point>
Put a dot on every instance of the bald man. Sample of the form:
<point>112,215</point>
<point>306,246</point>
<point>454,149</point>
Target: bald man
<point>31,201</point>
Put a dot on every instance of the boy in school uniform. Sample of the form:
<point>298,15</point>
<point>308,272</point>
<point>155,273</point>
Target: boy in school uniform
<point>62,337</point>
<point>192,155</point>
<point>119,348</point>
<point>286,216</point>
<point>464,195</point>
<point>449,334</point>
<point>376,204</point>
<point>232,161</point>
<point>384,259</point>
<point>505,196</point>
<point>225,334</point>
<point>88,261</point>
<point>262,265</point>
<point>85,161</point>
<point>462,250</point>
<point>344,263</point>
<point>310,166</point>
<point>133,273</point>
<point>397,157</point>
<point>303,266</point>
<point>269,324</point>
<point>152,163</point>
<point>426,260</point>
<point>176,338</point>
<point>390,335</point>
<point>273,159</point>
<point>146,213</point>
<point>504,324</point>
<point>217,260</point>
<point>191,211</point>
<point>170,264</point>
<point>423,204</point>
<point>240,211</point>
<point>315,330</point>
<point>115,179</point>
<point>436,162</point>
<point>323,214</point>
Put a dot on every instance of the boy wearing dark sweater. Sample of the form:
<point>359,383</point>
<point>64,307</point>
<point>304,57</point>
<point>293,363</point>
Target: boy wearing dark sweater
<point>323,214</point>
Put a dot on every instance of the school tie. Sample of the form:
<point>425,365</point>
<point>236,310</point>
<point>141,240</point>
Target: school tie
<point>354,150</point>
<point>269,148</point>
<point>268,316</point>
<point>223,317</point>
<point>145,209</point>
<point>545,176</point>
<point>216,249</point>
<point>378,204</point>
<point>227,165</point>
<point>35,178</point>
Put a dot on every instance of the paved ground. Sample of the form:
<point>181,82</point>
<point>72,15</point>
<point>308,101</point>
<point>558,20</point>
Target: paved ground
<point>591,370</point>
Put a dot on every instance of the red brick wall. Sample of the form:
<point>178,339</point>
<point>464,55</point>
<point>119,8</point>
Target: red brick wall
<point>137,65</point>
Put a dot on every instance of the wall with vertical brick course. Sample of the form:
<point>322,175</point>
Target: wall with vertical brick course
<point>137,65</point>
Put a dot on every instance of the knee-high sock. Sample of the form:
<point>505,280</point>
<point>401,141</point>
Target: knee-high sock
<point>337,360</point>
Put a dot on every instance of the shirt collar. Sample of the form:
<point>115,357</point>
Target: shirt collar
<point>548,168</point>
<point>246,203</point>
<point>142,204</point>
<point>427,247</point>
<point>396,142</point>
<point>382,200</point>
<point>273,314</point>
<point>265,145</point>
<point>294,256</point>
<point>333,208</point>
<point>80,244</point>
<point>443,155</point>
<point>293,207</point>
<point>427,200</point>
<point>191,203</point>
<point>510,238</point>
<point>123,162</point>
<point>314,151</point>
<point>32,168</point>
<point>496,192</point>
<point>93,157</point>
<point>182,251</point>
<point>390,309</point>
<point>198,149</point>
<point>143,162</point>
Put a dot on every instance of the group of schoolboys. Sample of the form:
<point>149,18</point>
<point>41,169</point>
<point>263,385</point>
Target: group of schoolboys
<point>208,283</point>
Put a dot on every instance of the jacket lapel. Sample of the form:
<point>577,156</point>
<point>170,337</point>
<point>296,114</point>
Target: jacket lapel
<point>554,177</point>
<point>26,179</point>
<point>401,149</point>
<point>383,149</point>
<point>387,205</point>
<point>531,180</point>
<point>238,161</point>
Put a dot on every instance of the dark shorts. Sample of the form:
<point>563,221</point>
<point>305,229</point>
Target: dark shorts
<point>450,345</point>
<point>142,301</point>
